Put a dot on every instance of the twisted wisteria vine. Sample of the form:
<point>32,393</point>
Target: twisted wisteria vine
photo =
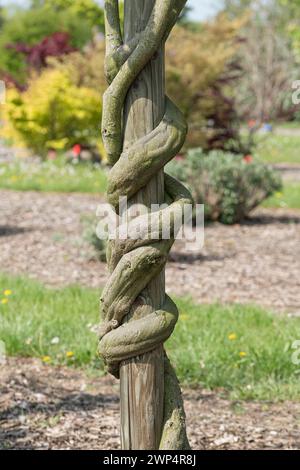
<point>133,263</point>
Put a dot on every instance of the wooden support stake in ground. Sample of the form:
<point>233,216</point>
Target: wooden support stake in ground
<point>142,130</point>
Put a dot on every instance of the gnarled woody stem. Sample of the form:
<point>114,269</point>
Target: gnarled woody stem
<point>135,263</point>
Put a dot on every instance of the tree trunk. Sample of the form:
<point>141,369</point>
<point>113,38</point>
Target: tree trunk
<point>142,378</point>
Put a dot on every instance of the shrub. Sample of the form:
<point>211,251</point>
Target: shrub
<point>200,79</point>
<point>53,113</point>
<point>31,26</point>
<point>99,245</point>
<point>201,76</point>
<point>229,185</point>
<point>55,45</point>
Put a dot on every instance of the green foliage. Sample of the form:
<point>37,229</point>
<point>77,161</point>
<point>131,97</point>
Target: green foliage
<point>201,73</point>
<point>53,113</point>
<point>291,22</point>
<point>87,9</point>
<point>229,186</point>
<point>31,26</point>
<point>54,176</point>
<point>243,350</point>
<point>211,115</point>
<point>86,68</point>
<point>91,237</point>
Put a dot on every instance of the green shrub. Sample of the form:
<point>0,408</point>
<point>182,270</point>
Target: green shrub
<point>229,185</point>
<point>90,235</point>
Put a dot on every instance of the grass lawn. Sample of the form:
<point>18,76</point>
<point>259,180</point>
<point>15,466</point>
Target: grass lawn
<point>243,350</point>
<point>288,198</point>
<point>53,177</point>
<point>278,149</point>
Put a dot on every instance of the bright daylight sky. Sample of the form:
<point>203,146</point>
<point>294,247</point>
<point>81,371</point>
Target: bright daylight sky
<point>202,9</point>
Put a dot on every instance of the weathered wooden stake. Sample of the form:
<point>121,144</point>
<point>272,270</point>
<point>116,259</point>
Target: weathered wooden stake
<point>142,378</point>
<point>142,131</point>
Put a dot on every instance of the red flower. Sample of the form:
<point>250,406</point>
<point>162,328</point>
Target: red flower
<point>76,149</point>
<point>248,158</point>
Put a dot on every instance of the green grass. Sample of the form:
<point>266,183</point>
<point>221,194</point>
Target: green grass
<point>200,348</point>
<point>288,198</point>
<point>287,125</point>
<point>50,176</point>
<point>278,149</point>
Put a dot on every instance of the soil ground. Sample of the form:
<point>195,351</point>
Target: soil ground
<point>41,235</point>
<point>46,407</point>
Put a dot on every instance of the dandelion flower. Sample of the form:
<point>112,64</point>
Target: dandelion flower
<point>184,317</point>
<point>232,337</point>
<point>46,359</point>
<point>7,292</point>
<point>4,301</point>
<point>69,354</point>
<point>243,354</point>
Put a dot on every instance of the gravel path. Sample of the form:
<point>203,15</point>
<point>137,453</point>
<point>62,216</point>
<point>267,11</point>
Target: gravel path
<point>45,407</point>
<point>41,235</point>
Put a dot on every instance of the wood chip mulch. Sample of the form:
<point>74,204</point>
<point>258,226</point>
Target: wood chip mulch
<point>45,407</point>
<point>41,235</point>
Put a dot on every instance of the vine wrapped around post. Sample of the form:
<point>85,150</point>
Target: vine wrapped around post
<point>133,263</point>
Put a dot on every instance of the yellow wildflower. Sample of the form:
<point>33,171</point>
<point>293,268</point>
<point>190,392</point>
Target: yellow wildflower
<point>46,359</point>
<point>4,301</point>
<point>232,337</point>
<point>184,317</point>
<point>7,292</point>
<point>69,354</point>
<point>243,354</point>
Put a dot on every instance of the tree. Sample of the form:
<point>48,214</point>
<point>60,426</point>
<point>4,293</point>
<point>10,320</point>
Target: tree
<point>201,75</point>
<point>56,45</point>
<point>31,26</point>
<point>87,9</point>
<point>236,8</point>
<point>152,412</point>
<point>1,17</point>
<point>269,65</point>
<point>269,68</point>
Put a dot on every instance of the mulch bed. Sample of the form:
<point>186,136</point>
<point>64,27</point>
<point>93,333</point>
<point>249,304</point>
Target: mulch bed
<point>46,407</point>
<point>290,172</point>
<point>41,235</point>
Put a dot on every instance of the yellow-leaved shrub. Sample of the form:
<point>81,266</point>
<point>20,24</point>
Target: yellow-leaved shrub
<point>53,113</point>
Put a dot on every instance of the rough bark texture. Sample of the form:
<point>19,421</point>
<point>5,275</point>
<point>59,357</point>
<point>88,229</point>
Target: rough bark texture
<point>142,130</point>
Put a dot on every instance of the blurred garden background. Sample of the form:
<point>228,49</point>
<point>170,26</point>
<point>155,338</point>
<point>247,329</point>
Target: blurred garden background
<point>233,67</point>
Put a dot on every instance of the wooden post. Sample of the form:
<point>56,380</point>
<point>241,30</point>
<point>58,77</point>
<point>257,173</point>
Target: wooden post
<point>142,130</point>
<point>142,378</point>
